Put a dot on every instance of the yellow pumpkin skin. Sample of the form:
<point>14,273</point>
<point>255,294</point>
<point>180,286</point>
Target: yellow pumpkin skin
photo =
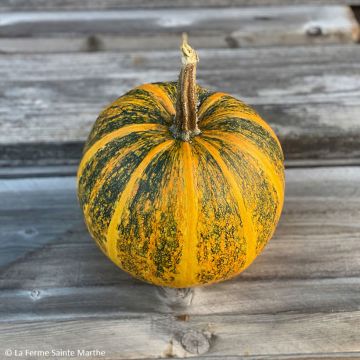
<point>177,213</point>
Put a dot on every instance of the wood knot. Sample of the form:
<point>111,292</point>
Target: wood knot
<point>29,232</point>
<point>195,342</point>
<point>35,294</point>
<point>314,31</point>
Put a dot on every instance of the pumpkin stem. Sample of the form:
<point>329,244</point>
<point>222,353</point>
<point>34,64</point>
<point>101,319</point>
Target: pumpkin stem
<point>186,121</point>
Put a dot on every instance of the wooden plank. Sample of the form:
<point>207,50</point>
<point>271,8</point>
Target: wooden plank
<point>141,336</point>
<point>41,5</point>
<point>162,28</point>
<point>240,297</point>
<point>310,95</point>
<point>322,356</point>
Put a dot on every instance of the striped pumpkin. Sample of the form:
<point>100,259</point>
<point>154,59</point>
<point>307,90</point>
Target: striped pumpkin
<point>181,213</point>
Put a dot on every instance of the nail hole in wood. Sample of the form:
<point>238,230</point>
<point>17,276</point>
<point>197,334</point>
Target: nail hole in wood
<point>93,43</point>
<point>183,317</point>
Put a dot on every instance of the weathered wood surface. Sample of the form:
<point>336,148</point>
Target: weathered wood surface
<point>25,5</point>
<point>162,28</point>
<point>301,296</point>
<point>310,95</point>
<point>141,336</point>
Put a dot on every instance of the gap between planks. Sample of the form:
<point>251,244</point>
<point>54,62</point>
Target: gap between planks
<point>19,172</point>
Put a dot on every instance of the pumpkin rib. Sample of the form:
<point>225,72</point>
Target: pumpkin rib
<point>254,133</point>
<point>101,211</point>
<point>236,115</point>
<point>153,216</point>
<point>153,227</point>
<point>116,123</point>
<point>220,229</point>
<point>160,95</point>
<point>140,97</point>
<point>104,175</point>
<point>188,262</point>
<point>136,107</point>
<point>248,227</point>
<point>122,201</point>
<point>170,88</point>
<point>230,152</point>
<point>125,101</point>
<point>209,102</point>
<point>244,145</point>
<point>113,159</point>
<point>93,169</point>
<point>123,131</point>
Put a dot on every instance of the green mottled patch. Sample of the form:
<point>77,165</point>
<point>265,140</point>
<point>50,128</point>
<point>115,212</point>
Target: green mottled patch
<point>170,88</point>
<point>227,103</point>
<point>259,194</point>
<point>221,244</point>
<point>150,231</point>
<point>102,208</point>
<point>203,94</point>
<point>97,163</point>
<point>131,113</point>
<point>255,133</point>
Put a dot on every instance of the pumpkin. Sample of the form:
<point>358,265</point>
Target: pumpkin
<point>181,186</point>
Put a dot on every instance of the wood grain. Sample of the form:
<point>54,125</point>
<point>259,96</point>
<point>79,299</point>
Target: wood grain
<point>301,296</point>
<point>41,5</point>
<point>139,336</point>
<point>161,28</point>
<point>297,356</point>
<point>310,95</point>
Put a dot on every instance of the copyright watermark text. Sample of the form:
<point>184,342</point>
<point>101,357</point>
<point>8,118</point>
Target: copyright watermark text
<point>58,353</point>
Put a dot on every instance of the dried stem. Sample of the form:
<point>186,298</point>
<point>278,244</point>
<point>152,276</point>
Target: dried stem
<point>186,122</point>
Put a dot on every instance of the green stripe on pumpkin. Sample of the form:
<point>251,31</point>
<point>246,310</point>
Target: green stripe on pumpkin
<point>254,133</point>
<point>104,155</point>
<point>136,107</point>
<point>102,206</point>
<point>220,224</point>
<point>260,195</point>
<point>150,229</point>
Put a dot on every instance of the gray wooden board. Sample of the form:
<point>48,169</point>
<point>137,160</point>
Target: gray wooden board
<point>26,5</point>
<point>310,95</point>
<point>136,336</point>
<point>162,28</point>
<point>301,296</point>
<point>297,356</point>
